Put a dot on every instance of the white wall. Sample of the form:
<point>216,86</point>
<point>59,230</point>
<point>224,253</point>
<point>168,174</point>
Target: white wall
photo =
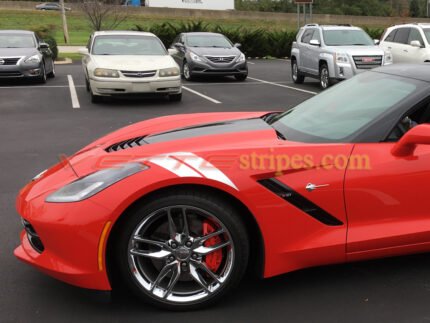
<point>192,4</point>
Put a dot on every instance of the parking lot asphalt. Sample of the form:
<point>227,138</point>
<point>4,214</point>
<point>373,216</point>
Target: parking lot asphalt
<point>39,122</point>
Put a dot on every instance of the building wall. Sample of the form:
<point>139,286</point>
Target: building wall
<point>192,4</point>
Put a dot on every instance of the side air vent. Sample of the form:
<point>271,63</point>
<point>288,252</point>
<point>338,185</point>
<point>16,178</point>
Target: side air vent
<point>126,144</point>
<point>299,201</point>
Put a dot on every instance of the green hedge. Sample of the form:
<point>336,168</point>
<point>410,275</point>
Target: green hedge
<point>255,42</point>
<point>47,34</point>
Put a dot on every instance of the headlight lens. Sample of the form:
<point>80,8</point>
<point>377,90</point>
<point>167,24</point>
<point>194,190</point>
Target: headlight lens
<point>388,58</point>
<point>166,72</point>
<point>33,59</point>
<point>242,58</point>
<point>104,72</point>
<point>341,58</point>
<point>195,57</point>
<point>92,184</point>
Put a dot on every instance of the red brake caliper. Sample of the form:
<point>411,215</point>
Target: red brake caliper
<point>213,260</point>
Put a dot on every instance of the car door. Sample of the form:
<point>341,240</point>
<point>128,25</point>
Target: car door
<point>47,56</point>
<point>314,53</point>
<point>306,50</point>
<point>400,45</point>
<point>414,55</point>
<point>386,202</point>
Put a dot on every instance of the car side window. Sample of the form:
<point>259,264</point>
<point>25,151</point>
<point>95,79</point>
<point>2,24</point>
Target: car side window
<point>391,35</point>
<point>307,36</point>
<point>175,40</point>
<point>182,39</point>
<point>415,35</point>
<point>316,36</point>
<point>402,36</point>
<point>419,116</point>
<point>89,44</point>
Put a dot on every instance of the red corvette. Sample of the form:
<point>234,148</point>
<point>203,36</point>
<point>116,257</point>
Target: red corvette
<point>177,208</point>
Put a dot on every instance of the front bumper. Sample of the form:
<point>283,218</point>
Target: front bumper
<point>123,86</point>
<point>20,71</point>
<point>346,71</point>
<point>209,68</point>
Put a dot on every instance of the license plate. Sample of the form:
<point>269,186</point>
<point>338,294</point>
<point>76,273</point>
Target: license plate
<point>140,87</point>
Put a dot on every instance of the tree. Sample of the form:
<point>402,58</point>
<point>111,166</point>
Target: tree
<point>414,8</point>
<point>104,15</point>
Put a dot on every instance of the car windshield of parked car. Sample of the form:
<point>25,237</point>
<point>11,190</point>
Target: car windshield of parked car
<point>208,41</point>
<point>338,114</point>
<point>17,41</point>
<point>347,38</point>
<point>128,45</point>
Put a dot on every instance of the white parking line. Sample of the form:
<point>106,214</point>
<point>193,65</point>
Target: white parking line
<point>201,95</point>
<point>233,83</point>
<point>284,86</point>
<point>73,94</point>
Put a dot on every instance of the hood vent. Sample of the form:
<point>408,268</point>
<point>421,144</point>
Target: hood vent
<point>130,143</point>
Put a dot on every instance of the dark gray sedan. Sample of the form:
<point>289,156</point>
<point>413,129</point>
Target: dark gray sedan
<point>51,6</point>
<point>24,55</point>
<point>204,53</point>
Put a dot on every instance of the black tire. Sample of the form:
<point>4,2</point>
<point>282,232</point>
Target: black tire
<point>43,77</point>
<point>241,77</point>
<point>175,97</point>
<point>325,80</point>
<point>52,73</point>
<point>225,214</point>
<point>296,75</point>
<point>87,85</point>
<point>186,72</point>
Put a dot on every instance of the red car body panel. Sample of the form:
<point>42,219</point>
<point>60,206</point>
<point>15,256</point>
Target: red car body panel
<point>292,239</point>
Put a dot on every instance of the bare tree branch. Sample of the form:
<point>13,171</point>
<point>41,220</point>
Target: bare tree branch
<point>104,15</point>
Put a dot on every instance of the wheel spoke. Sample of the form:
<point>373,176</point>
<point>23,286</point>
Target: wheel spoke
<point>150,242</point>
<point>205,268</point>
<point>208,236</point>
<point>198,278</point>
<point>202,250</point>
<point>173,280</point>
<point>163,273</point>
<point>186,230</point>
<point>154,255</point>
<point>172,225</point>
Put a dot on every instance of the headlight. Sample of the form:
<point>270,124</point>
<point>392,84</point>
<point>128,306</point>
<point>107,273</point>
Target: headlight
<point>166,72</point>
<point>241,58</point>
<point>388,58</point>
<point>341,58</point>
<point>33,59</point>
<point>92,184</point>
<point>104,72</point>
<point>195,57</point>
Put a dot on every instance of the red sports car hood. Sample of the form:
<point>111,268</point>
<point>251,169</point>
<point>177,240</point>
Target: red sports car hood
<point>198,134</point>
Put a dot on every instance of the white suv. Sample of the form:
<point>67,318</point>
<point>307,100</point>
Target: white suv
<point>408,43</point>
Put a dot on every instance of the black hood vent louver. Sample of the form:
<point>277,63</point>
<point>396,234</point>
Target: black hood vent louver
<point>126,144</point>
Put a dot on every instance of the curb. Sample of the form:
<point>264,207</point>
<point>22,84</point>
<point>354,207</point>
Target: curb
<point>65,62</point>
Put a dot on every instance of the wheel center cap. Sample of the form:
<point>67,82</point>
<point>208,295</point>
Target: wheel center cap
<point>183,253</point>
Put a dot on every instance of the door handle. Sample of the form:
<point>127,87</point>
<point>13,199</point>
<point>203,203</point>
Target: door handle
<point>312,187</point>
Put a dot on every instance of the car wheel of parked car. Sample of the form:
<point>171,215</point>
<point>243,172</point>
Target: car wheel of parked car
<point>87,85</point>
<point>182,250</point>
<point>325,81</point>
<point>188,75</point>
<point>52,73</point>
<point>241,77</point>
<point>175,97</point>
<point>42,78</point>
<point>298,77</point>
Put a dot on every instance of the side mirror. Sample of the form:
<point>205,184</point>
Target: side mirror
<point>172,51</point>
<point>376,41</point>
<point>179,46</point>
<point>420,135</point>
<point>416,43</point>
<point>83,51</point>
<point>44,46</point>
<point>315,42</point>
<point>237,45</point>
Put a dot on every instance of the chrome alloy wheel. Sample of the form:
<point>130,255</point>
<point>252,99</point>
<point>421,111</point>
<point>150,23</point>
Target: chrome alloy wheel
<point>180,254</point>
<point>324,78</point>
<point>295,72</point>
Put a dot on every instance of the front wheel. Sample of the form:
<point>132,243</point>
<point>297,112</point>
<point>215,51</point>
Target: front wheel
<point>297,77</point>
<point>182,251</point>
<point>186,71</point>
<point>325,80</point>
<point>42,77</point>
<point>52,73</point>
<point>175,97</point>
<point>241,77</point>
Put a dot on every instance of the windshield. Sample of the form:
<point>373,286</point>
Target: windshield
<point>347,38</point>
<point>128,45</point>
<point>339,113</point>
<point>17,41</point>
<point>208,41</point>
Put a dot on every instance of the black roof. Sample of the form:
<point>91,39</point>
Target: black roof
<point>16,32</point>
<point>413,71</point>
